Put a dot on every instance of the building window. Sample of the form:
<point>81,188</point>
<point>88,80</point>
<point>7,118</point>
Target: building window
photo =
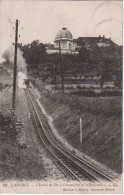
<point>69,46</point>
<point>63,45</point>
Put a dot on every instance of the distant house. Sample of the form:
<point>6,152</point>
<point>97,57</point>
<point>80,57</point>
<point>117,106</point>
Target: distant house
<point>88,42</point>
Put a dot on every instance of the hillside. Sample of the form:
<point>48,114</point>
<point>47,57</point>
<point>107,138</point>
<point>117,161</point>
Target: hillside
<point>102,126</point>
<point>104,61</point>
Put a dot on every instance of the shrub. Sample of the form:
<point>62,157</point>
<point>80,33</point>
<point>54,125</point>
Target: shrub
<point>79,87</point>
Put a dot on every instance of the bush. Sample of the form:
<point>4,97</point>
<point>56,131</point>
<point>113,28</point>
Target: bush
<point>10,126</point>
<point>79,87</point>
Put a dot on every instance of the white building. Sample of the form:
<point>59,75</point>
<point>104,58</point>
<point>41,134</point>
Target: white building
<point>65,39</point>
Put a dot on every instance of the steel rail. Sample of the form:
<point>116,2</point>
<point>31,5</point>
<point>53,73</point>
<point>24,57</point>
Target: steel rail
<point>79,162</point>
<point>39,132</point>
<point>86,173</point>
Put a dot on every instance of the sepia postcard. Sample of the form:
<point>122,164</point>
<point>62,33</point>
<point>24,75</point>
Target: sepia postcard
<point>61,97</point>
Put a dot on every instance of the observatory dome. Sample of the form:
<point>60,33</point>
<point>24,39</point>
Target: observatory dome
<point>64,34</point>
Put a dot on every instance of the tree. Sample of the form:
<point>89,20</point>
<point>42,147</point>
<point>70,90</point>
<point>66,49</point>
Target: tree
<point>34,53</point>
<point>106,72</point>
<point>84,54</point>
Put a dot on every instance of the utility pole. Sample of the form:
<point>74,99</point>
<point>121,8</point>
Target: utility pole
<point>15,67</point>
<point>61,68</point>
<point>80,130</point>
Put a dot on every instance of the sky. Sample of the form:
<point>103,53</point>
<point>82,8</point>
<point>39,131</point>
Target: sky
<point>41,20</point>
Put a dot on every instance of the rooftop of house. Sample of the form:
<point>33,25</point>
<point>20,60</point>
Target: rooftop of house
<point>93,40</point>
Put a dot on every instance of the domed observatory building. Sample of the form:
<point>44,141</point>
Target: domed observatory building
<point>65,39</point>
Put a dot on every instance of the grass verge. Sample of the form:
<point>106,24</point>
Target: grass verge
<point>16,162</point>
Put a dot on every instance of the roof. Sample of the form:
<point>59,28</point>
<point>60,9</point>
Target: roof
<point>92,40</point>
<point>64,34</point>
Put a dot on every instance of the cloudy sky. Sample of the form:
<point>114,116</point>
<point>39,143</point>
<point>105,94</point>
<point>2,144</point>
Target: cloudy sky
<point>43,19</point>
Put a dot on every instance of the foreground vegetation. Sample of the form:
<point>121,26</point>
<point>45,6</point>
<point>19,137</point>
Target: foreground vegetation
<point>17,160</point>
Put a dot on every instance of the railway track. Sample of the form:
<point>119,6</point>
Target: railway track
<point>72,166</point>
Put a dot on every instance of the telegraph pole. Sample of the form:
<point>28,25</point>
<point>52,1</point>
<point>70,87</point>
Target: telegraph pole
<point>61,68</point>
<point>15,67</point>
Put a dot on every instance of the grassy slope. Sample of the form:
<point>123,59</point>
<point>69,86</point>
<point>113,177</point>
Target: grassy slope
<point>15,162</point>
<point>102,126</point>
<point>22,157</point>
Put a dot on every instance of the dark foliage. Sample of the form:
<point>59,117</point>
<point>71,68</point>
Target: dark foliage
<point>9,126</point>
<point>103,61</point>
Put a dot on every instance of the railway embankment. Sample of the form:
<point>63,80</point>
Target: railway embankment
<point>101,124</point>
<point>22,156</point>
